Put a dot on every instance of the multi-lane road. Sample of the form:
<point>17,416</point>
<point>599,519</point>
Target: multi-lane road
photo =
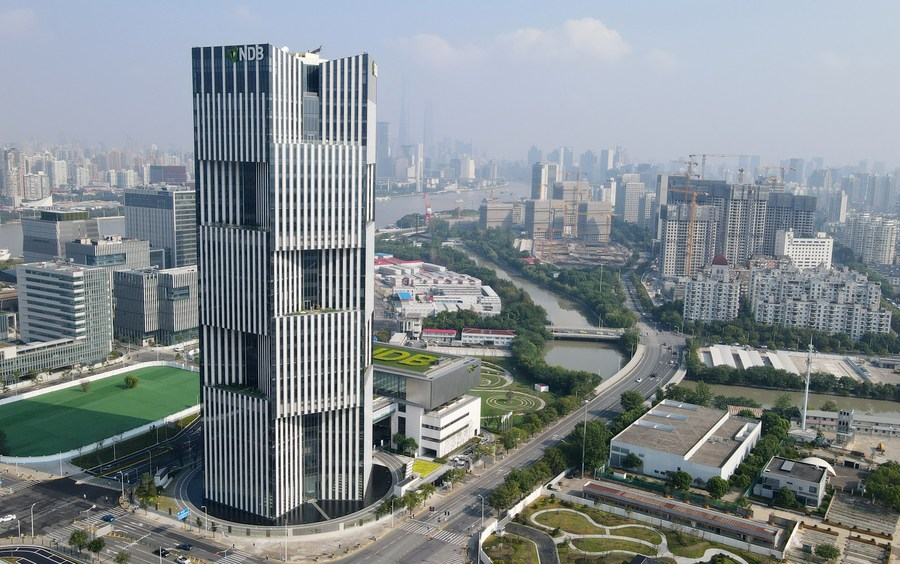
<point>434,537</point>
<point>445,535</point>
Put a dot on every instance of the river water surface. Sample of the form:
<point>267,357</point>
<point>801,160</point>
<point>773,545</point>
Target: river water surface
<point>598,357</point>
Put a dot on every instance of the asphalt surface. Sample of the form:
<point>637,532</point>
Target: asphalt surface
<point>547,553</point>
<point>33,555</point>
<point>439,538</point>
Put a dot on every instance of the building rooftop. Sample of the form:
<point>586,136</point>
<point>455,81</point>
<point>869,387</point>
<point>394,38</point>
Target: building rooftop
<point>502,332</point>
<point>418,362</point>
<point>779,466</point>
<point>678,428</point>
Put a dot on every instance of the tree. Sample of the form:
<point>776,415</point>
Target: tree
<point>78,539</point>
<point>829,405</point>
<point>97,545</point>
<point>213,527</point>
<point>122,558</point>
<point>739,482</point>
<point>827,551</point>
<point>702,395</point>
<point>199,522</point>
<point>85,385</point>
<point>512,438</point>
<point>784,405</point>
<point>680,480</point>
<point>427,490</point>
<point>146,490</point>
<point>631,399</point>
<point>632,461</point>
<point>785,497</point>
<point>131,381</point>
<point>717,487</point>
<point>482,451</point>
<point>405,444</point>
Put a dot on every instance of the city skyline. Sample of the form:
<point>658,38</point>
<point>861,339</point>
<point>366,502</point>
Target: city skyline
<point>780,80</point>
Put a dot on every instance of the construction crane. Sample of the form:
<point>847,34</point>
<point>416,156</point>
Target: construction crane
<point>773,179</point>
<point>428,211</point>
<point>703,157</point>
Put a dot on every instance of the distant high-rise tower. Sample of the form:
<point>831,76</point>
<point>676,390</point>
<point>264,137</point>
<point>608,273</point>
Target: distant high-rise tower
<point>535,155</point>
<point>167,217</point>
<point>384,164</point>
<point>285,164</point>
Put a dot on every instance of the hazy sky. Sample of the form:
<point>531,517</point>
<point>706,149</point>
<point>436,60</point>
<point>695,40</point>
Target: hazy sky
<point>662,79</point>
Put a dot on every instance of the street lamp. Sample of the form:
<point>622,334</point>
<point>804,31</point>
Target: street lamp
<point>482,509</point>
<point>32,521</point>
<point>122,481</point>
<point>583,437</point>
<point>205,516</point>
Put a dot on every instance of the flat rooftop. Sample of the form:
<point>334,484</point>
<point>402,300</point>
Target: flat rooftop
<point>420,362</point>
<point>672,427</point>
<point>779,466</point>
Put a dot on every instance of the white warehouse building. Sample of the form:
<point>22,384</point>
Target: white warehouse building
<point>676,436</point>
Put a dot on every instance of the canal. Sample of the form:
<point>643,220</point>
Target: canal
<point>600,358</point>
<point>767,398</point>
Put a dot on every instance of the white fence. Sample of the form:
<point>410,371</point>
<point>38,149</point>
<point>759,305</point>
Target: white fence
<point>109,440</point>
<point>493,524</point>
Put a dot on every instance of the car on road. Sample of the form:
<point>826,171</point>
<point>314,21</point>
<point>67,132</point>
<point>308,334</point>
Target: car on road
<point>639,380</point>
<point>109,518</point>
<point>183,560</point>
<point>653,375</point>
<point>184,546</point>
<point>164,552</point>
<point>6,518</point>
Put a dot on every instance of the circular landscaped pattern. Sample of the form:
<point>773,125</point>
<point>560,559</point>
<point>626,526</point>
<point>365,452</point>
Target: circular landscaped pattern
<point>515,401</point>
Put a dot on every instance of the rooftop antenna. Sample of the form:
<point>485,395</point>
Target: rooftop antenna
<point>806,393</point>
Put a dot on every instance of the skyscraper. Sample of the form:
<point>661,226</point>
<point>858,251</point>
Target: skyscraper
<point>284,146</point>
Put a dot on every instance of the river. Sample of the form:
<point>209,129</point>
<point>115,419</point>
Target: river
<point>767,398</point>
<point>600,358</point>
<point>388,212</point>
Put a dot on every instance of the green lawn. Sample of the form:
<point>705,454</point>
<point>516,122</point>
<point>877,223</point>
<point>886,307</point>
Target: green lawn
<point>604,545</point>
<point>511,549</point>
<point>637,533</point>
<point>67,419</point>
<point>423,467</point>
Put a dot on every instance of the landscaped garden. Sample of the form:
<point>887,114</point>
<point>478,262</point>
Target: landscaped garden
<point>586,532</point>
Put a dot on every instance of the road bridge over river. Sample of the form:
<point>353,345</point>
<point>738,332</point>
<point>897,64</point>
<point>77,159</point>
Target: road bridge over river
<point>586,333</point>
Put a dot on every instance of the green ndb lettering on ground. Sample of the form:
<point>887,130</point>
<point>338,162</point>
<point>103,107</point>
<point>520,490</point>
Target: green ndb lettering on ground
<point>67,419</point>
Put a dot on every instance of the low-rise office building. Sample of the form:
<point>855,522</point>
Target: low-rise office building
<point>806,479</point>
<point>675,436</point>
<point>424,398</point>
<point>156,305</point>
<point>487,337</point>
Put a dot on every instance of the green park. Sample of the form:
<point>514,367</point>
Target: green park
<point>70,418</point>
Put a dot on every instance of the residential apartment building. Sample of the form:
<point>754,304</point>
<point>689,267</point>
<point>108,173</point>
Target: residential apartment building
<point>828,300</point>
<point>712,295</point>
<point>872,238</point>
<point>685,251</point>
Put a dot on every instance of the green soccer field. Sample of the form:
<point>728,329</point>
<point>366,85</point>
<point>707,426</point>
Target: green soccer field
<point>67,419</point>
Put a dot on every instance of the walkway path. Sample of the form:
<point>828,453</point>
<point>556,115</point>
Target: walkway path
<point>546,547</point>
<point>661,549</point>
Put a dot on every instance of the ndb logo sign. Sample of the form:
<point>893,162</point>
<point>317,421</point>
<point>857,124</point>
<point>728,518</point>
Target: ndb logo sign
<point>245,53</point>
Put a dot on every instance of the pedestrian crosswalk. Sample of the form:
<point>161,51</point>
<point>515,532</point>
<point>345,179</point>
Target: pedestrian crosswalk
<point>21,485</point>
<point>423,529</point>
<point>232,559</point>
